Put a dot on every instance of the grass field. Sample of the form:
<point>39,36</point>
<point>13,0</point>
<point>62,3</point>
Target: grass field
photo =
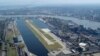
<point>53,47</point>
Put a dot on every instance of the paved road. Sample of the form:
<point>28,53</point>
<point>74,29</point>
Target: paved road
<point>3,49</point>
<point>3,41</point>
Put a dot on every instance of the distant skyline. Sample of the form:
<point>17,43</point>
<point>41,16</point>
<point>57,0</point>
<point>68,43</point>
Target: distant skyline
<point>48,2</point>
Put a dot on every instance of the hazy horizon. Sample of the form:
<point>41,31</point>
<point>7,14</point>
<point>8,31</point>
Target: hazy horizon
<point>48,2</point>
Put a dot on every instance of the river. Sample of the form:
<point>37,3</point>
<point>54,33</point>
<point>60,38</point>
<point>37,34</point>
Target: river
<point>39,23</point>
<point>85,23</point>
<point>31,41</point>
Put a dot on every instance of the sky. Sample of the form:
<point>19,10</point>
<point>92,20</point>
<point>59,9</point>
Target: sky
<point>48,2</point>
